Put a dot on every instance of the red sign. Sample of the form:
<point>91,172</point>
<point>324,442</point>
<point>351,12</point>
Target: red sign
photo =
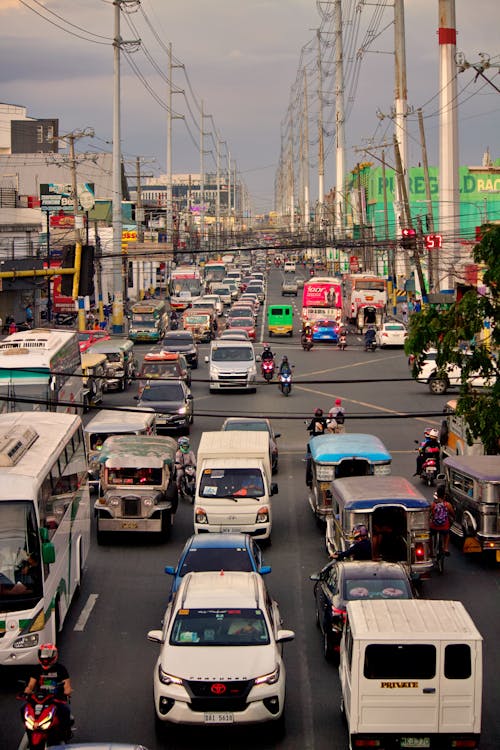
<point>354,264</point>
<point>433,241</point>
<point>62,221</point>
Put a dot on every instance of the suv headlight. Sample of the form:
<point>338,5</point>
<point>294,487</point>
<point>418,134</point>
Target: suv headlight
<point>268,679</point>
<point>168,679</point>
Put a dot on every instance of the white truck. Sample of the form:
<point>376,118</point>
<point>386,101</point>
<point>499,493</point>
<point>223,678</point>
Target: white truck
<point>411,674</point>
<point>234,487</point>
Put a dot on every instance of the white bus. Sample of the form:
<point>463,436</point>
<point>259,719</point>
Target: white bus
<point>44,528</point>
<point>41,370</point>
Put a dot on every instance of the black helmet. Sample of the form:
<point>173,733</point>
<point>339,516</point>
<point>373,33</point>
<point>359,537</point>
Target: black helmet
<point>285,358</point>
<point>318,412</point>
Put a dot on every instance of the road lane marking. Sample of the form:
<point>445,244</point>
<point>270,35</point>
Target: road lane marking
<point>86,612</point>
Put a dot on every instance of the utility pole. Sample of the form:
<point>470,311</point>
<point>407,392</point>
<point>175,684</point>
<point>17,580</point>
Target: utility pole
<point>401,107</point>
<point>321,153</point>
<point>120,265</point>
<point>432,258</point>
<point>228,165</point>
<point>449,197</point>
<point>305,154</point>
<point>339,123</point>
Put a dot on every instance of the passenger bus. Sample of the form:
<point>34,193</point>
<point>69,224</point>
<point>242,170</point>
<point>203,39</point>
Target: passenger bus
<point>44,528</point>
<point>149,320</point>
<point>185,285</point>
<point>41,370</point>
<point>362,290</point>
<point>322,299</point>
<point>215,270</point>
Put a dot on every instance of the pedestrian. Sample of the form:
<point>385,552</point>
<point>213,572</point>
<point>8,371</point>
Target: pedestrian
<point>29,316</point>
<point>404,312</point>
<point>418,306</point>
<point>12,326</point>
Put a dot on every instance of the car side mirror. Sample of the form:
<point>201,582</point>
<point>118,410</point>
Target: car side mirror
<point>315,577</point>
<point>258,358</point>
<point>265,569</point>
<point>189,396</point>
<point>274,488</point>
<point>277,434</point>
<point>170,570</point>
<point>206,360</point>
<point>136,398</point>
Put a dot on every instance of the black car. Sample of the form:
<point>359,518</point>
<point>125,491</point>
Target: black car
<point>183,342</point>
<point>172,401</point>
<point>346,580</point>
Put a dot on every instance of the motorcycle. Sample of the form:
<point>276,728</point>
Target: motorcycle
<point>41,720</point>
<point>188,484</point>
<point>306,342</point>
<point>429,469</point>
<point>342,342</point>
<point>370,344</point>
<point>285,383</point>
<point>65,319</point>
<point>174,324</point>
<point>267,369</point>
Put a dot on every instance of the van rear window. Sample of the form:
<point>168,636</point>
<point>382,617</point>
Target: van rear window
<point>400,661</point>
<point>457,661</point>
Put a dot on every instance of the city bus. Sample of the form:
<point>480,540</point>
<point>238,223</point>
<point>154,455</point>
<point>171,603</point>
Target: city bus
<point>44,528</point>
<point>214,270</point>
<point>184,286</point>
<point>362,290</point>
<point>41,370</point>
<point>149,320</point>
<point>322,299</point>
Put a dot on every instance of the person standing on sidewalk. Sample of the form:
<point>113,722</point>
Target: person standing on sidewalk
<point>404,312</point>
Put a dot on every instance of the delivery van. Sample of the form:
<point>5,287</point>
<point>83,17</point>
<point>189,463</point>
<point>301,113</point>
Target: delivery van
<point>411,675</point>
<point>234,487</point>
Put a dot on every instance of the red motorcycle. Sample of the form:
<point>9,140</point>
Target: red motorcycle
<point>267,369</point>
<point>42,720</point>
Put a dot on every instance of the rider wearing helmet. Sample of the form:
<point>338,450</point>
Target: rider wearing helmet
<point>183,457</point>
<point>50,676</point>
<point>318,424</point>
<point>360,549</point>
<point>267,353</point>
<point>428,448</point>
<point>285,366</point>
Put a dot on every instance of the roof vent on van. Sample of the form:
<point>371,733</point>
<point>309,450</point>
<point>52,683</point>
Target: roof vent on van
<point>13,445</point>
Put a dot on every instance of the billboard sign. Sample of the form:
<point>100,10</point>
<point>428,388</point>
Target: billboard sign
<point>58,196</point>
<point>322,294</point>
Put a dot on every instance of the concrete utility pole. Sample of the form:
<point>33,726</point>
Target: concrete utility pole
<point>449,198</point>
<point>228,165</point>
<point>119,262</point>
<point>401,108</point>
<point>305,154</point>
<point>321,152</point>
<point>170,116</point>
<point>291,175</point>
<point>339,124</point>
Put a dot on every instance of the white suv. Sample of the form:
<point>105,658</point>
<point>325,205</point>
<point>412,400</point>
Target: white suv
<point>439,382</point>
<point>221,653</point>
<point>232,365</point>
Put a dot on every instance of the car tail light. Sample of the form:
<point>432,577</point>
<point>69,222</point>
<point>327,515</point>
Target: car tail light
<point>385,334</point>
<point>340,613</point>
<point>365,742</point>
<point>419,551</point>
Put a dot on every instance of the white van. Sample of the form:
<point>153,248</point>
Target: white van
<point>232,365</point>
<point>289,266</point>
<point>234,487</point>
<point>411,674</point>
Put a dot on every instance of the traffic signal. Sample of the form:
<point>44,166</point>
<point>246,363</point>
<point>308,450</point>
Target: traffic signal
<point>433,241</point>
<point>86,286</point>
<point>409,238</point>
<point>68,261</point>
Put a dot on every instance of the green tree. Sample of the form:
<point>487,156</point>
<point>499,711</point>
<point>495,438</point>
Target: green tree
<point>468,335</point>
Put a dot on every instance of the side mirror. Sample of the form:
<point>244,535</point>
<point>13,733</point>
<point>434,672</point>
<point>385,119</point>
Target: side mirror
<point>258,358</point>
<point>274,488</point>
<point>189,397</point>
<point>264,570</point>
<point>170,570</point>
<point>206,360</point>
<point>441,478</point>
<point>315,577</point>
<point>155,636</point>
<point>48,553</point>
<point>136,398</point>
<point>277,434</point>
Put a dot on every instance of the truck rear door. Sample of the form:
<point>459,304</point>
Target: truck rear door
<point>460,678</point>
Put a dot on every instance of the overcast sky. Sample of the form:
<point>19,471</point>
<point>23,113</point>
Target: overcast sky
<point>241,59</point>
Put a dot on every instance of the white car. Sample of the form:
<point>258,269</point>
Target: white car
<point>220,660</point>
<point>440,382</point>
<point>219,304</point>
<point>392,333</point>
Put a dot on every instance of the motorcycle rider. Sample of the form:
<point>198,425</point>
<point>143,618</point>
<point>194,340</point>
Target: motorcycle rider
<point>342,342</point>
<point>183,457</point>
<point>285,368</point>
<point>50,676</point>
<point>360,549</point>
<point>306,336</point>
<point>428,448</point>
<point>267,353</point>
<point>318,424</point>
<point>336,417</point>
<point>369,337</point>
<point>174,320</point>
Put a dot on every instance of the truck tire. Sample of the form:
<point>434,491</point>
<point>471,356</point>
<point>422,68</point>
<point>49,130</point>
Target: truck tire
<point>438,385</point>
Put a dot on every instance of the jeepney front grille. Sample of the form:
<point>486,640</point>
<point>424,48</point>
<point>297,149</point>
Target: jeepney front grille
<point>131,506</point>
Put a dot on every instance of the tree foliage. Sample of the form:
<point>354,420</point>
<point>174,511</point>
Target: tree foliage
<point>468,335</point>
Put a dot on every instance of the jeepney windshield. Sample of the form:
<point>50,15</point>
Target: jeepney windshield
<point>131,476</point>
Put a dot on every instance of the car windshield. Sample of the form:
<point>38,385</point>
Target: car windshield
<point>160,370</point>
<point>177,341</point>
<point>219,627</point>
<point>163,392</point>
<point>375,588</point>
<point>233,483</point>
<point>252,426</point>
<point>232,354</point>
<point>393,327</point>
<point>84,335</point>
<point>216,558</point>
<point>241,323</point>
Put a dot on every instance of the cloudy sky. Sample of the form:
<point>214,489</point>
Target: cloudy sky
<point>241,59</point>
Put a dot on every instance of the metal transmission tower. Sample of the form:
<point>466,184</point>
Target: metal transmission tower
<point>119,263</point>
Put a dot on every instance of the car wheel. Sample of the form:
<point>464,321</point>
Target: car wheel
<point>101,536</point>
<point>438,386</point>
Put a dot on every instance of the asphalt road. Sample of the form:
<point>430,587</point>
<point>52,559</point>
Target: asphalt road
<point>110,660</point>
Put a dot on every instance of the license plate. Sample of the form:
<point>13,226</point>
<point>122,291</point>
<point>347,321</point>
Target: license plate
<point>129,524</point>
<point>218,718</point>
<point>415,742</point>
<point>228,530</point>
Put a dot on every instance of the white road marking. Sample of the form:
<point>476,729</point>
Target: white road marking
<point>86,612</point>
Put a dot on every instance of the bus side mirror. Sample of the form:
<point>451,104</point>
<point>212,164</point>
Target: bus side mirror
<point>441,478</point>
<point>48,552</point>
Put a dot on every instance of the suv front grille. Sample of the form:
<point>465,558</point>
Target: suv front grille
<point>218,695</point>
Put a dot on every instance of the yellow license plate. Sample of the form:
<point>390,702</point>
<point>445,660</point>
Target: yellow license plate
<point>129,524</point>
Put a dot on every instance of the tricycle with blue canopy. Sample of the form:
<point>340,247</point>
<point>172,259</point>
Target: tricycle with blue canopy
<point>395,513</point>
<point>335,456</point>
